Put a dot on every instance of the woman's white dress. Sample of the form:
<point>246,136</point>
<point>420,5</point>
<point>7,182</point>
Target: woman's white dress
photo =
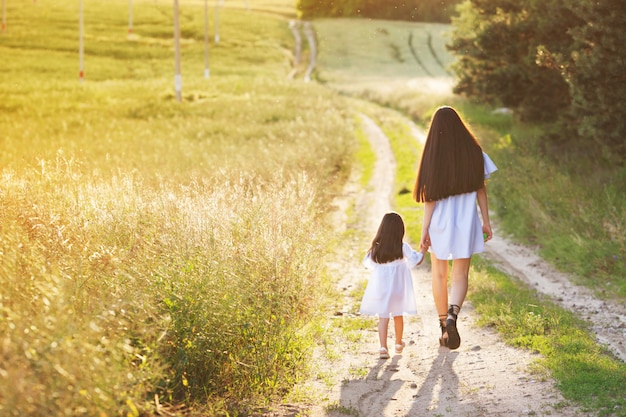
<point>389,291</point>
<point>455,227</point>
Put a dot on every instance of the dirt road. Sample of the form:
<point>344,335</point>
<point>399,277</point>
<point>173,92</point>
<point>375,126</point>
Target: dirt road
<point>484,377</point>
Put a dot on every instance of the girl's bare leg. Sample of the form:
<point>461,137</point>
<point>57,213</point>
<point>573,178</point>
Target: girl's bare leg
<point>383,324</point>
<point>398,325</point>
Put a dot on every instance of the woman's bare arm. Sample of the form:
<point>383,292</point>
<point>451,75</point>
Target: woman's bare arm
<point>483,204</point>
<point>429,207</point>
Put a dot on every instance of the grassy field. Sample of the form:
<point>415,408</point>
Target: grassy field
<point>158,256</point>
<point>374,67</point>
<point>164,256</point>
<point>401,65</point>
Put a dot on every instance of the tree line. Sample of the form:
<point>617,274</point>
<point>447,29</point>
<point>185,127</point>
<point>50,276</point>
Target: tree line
<point>410,10</point>
<point>554,61</point>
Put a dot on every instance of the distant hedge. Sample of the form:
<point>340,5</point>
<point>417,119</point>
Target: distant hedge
<point>411,10</point>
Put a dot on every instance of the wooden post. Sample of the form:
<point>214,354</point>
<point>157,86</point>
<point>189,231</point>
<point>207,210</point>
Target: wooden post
<point>130,17</point>
<point>4,18</point>
<point>207,72</point>
<point>178,80</point>
<point>310,37</point>
<point>294,25</point>
<point>81,46</point>
<point>217,21</point>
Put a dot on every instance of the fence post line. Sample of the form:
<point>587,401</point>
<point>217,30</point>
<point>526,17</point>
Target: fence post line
<point>178,80</point>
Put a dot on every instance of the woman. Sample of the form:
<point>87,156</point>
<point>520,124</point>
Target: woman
<point>450,180</point>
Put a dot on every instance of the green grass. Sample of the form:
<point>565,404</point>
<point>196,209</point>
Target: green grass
<point>401,65</point>
<point>585,372</point>
<point>366,156</point>
<point>576,220</point>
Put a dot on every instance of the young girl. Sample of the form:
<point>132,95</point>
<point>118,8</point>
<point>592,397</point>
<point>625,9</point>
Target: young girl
<point>389,291</point>
<point>450,180</point>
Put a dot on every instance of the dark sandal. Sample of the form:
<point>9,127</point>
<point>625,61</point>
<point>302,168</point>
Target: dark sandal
<point>454,339</point>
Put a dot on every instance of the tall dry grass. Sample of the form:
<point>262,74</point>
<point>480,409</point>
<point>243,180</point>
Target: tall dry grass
<point>116,290</point>
<point>159,256</point>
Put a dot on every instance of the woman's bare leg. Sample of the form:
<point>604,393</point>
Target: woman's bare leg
<point>440,284</point>
<point>460,274</point>
<point>440,294</point>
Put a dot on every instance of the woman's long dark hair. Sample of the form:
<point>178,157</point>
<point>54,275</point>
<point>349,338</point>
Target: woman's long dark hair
<point>452,161</point>
<point>387,244</point>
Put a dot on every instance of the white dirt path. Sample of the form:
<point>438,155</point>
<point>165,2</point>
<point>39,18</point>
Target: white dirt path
<point>484,377</point>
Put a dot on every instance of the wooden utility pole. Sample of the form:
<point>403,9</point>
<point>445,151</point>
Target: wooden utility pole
<point>217,21</point>
<point>130,17</point>
<point>207,72</point>
<point>81,47</point>
<point>178,79</point>
<point>4,18</point>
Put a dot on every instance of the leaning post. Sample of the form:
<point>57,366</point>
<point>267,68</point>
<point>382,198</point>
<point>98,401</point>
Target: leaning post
<point>310,37</point>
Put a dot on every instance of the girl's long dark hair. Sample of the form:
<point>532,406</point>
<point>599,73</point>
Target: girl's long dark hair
<point>452,161</point>
<point>387,244</point>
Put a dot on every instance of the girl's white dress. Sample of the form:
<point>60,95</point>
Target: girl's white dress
<point>389,291</point>
<point>455,227</point>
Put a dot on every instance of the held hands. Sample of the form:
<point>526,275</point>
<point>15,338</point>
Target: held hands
<point>424,245</point>
<point>425,242</point>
